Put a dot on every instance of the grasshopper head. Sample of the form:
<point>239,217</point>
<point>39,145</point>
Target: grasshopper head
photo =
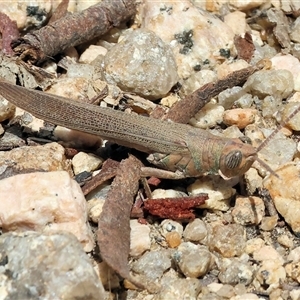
<point>236,158</point>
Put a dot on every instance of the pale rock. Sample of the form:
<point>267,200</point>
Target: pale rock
<point>287,6</point>
<point>226,291</point>
<point>161,193</point>
<point>248,296</point>
<point>77,139</point>
<point>30,123</point>
<point>47,266</point>
<point>76,87</point>
<point>193,260</point>
<point>219,192</point>
<point>262,83</point>
<point>81,70</point>
<point>255,134</point>
<point>195,231</point>
<point>94,209</point>
<point>293,123</point>
<point>293,271</point>
<point>236,20</point>
<point>253,245</point>
<point>295,31</point>
<point>178,288</point>
<point>139,238</point>
<point>7,109</point>
<point>246,4</point>
<point>196,81</point>
<point>248,210</point>
<point>173,239</point>
<point>285,241</point>
<point>91,53</point>
<point>141,63</point>
<point>268,223</point>
<point>286,196</point>
<point>295,294</point>
<point>270,274</point>
<point>229,240</point>
<point>290,63</point>
<point>227,67</point>
<point>168,226</point>
<point>294,255</point>
<point>28,14</point>
<point>228,97</point>
<point>48,157</point>
<point>232,132</point>
<point>241,117</point>
<point>209,116</point>
<point>45,202</point>
<point>245,101</point>
<point>214,287</point>
<point>152,264</point>
<point>267,253</point>
<point>197,41</point>
<point>86,162</point>
<point>236,270</point>
<point>253,180</point>
<point>278,151</point>
<point>169,100</point>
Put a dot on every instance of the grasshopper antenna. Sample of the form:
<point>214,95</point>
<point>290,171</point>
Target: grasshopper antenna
<point>267,140</point>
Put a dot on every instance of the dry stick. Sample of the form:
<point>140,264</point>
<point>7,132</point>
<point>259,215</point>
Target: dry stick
<point>73,30</point>
<point>183,110</point>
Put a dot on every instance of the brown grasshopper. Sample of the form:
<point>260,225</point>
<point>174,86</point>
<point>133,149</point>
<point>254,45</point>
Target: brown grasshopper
<point>179,148</point>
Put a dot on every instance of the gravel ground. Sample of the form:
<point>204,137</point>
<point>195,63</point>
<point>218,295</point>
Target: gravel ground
<point>243,242</point>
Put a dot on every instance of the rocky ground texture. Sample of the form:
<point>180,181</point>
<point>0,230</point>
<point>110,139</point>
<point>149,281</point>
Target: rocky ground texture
<point>243,243</point>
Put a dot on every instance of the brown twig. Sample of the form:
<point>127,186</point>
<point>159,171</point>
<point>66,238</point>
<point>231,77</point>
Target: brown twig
<point>183,110</point>
<point>108,171</point>
<point>73,29</point>
<point>113,227</point>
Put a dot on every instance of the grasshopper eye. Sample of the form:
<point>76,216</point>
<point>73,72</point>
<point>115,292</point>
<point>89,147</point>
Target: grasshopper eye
<point>233,159</point>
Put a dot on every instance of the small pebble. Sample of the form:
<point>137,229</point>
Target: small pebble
<point>285,241</point>
<point>193,260</point>
<point>139,238</point>
<point>286,196</point>
<point>168,226</point>
<point>248,210</point>
<point>270,274</point>
<point>253,245</point>
<point>229,240</point>
<point>48,157</point>
<point>180,288</point>
<point>209,116</point>
<point>195,231</point>
<point>45,202</point>
<point>241,117</point>
<point>86,162</point>
<point>91,53</point>
<point>152,264</point>
<point>173,239</point>
<point>236,271</point>
<point>46,266</point>
<point>267,253</point>
<point>7,109</point>
<point>262,83</point>
<point>219,192</point>
<point>141,63</point>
